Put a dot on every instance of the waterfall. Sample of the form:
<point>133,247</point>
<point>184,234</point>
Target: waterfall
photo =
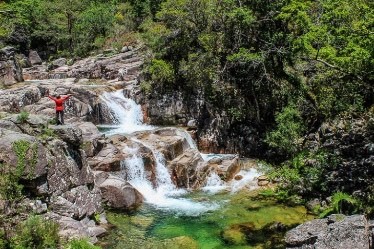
<point>188,138</point>
<point>166,196</point>
<point>128,118</point>
<point>125,112</point>
<point>214,183</point>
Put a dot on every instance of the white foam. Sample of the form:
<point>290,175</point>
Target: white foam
<point>128,114</point>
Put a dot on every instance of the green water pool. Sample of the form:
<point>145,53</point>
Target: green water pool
<point>243,220</point>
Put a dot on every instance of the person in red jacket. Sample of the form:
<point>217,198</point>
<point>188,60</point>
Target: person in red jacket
<point>59,107</point>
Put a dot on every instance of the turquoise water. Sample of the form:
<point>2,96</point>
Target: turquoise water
<point>243,220</point>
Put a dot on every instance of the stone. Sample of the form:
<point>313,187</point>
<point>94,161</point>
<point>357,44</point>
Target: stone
<point>185,169</point>
<point>34,58</point>
<point>120,195</point>
<point>10,70</point>
<point>334,232</point>
<point>68,133</point>
<point>58,63</point>
<point>34,155</point>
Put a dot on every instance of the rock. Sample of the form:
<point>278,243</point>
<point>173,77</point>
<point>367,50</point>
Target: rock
<point>92,139</point>
<point>21,150</point>
<point>38,207</point>
<point>10,70</point>
<point>35,58</point>
<point>185,169</point>
<point>77,203</point>
<point>108,159</point>
<point>120,195</point>
<point>228,168</point>
<point>68,133</point>
<point>125,49</point>
<point>57,63</point>
<point>238,177</point>
<point>68,168</point>
<point>181,242</point>
<point>192,124</point>
<point>73,229</point>
<point>334,232</point>
<point>263,183</point>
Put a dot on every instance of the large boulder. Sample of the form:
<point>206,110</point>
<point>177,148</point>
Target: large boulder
<point>120,195</point>
<point>334,232</point>
<point>186,169</point>
<point>10,70</point>
<point>23,153</point>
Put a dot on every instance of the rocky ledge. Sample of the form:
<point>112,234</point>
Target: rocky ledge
<point>335,232</point>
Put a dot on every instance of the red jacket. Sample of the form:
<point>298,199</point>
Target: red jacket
<point>59,102</point>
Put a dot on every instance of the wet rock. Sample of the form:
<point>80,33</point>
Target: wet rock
<point>334,232</point>
<point>185,169</point>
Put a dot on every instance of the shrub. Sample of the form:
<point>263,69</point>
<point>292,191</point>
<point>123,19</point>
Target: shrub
<point>288,131</point>
<point>340,203</point>
<point>36,232</point>
<point>23,117</point>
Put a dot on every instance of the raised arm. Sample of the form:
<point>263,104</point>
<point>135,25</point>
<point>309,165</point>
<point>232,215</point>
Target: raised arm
<point>52,98</point>
<point>66,97</point>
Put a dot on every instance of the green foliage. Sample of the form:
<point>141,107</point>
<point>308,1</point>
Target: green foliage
<point>288,131</point>
<point>36,232</point>
<point>161,71</point>
<point>92,26</point>
<point>80,244</point>
<point>339,202</point>
<point>23,117</point>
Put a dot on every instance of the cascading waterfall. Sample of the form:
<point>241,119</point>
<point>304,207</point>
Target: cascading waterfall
<point>126,113</point>
<point>165,196</point>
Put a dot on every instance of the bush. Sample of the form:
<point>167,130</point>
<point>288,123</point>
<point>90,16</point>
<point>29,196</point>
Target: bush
<point>23,117</point>
<point>341,203</point>
<point>288,131</point>
<point>36,232</point>
<point>80,244</point>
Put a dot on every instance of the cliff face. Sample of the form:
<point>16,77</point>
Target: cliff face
<point>215,129</point>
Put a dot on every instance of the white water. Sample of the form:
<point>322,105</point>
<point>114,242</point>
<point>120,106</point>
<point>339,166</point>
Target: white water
<point>165,196</point>
<point>128,114</point>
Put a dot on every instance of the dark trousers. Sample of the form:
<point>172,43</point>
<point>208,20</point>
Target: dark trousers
<point>59,117</point>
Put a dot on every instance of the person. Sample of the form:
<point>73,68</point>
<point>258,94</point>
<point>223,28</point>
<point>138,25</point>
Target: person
<point>59,101</point>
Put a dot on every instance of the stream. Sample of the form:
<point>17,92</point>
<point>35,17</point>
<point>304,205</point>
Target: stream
<point>219,215</point>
